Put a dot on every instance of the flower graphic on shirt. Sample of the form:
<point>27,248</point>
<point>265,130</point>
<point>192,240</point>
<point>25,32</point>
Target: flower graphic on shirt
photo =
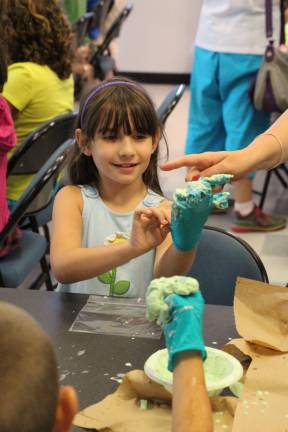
<point>109,278</point>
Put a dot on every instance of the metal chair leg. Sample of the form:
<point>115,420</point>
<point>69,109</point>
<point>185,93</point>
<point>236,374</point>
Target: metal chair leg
<point>280,178</point>
<point>265,189</point>
<point>45,270</point>
<point>284,168</point>
<point>47,236</point>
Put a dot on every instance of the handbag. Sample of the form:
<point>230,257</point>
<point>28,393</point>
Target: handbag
<point>269,91</point>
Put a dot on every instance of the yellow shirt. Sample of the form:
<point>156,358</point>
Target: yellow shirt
<point>39,95</point>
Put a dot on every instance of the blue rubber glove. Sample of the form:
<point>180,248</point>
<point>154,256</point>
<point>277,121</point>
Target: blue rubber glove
<point>192,206</point>
<point>184,331</point>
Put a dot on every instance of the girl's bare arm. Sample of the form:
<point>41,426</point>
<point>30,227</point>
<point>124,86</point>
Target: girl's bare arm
<point>69,260</point>
<point>169,261</point>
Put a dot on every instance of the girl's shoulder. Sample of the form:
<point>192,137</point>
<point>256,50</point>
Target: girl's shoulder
<point>76,194</point>
<point>69,194</point>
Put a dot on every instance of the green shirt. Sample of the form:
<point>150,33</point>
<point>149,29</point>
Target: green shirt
<point>39,95</point>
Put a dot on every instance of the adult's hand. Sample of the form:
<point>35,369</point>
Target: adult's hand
<point>210,163</point>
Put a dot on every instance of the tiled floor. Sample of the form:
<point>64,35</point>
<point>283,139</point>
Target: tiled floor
<point>272,247</point>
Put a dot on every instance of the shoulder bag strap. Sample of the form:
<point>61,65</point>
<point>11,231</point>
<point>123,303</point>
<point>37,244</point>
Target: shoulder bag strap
<point>282,23</point>
<point>269,19</point>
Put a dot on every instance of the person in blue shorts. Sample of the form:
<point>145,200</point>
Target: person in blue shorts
<point>230,43</point>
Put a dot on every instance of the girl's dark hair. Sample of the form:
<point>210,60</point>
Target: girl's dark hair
<point>38,31</point>
<point>3,66</point>
<point>115,108</point>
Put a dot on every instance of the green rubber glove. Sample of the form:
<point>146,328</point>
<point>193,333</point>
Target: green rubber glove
<point>177,305</point>
<point>184,331</point>
<point>192,206</point>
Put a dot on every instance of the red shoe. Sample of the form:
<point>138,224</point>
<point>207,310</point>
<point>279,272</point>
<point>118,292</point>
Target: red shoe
<point>257,221</point>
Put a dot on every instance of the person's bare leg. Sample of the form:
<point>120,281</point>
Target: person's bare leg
<point>243,190</point>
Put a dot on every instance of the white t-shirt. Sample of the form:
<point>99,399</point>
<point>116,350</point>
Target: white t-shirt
<point>235,26</point>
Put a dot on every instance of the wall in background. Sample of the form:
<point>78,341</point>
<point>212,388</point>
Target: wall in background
<point>158,36</point>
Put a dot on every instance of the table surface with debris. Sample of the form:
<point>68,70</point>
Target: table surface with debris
<point>95,363</point>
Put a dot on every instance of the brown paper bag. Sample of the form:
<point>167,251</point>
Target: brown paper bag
<point>261,317</point>
<point>121,412</point>
<point>261,313</point>
<point>263,405</point>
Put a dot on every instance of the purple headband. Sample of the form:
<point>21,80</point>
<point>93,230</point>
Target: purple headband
<point>101,87</point>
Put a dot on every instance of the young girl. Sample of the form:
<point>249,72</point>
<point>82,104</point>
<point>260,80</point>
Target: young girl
<point>111,226</point>
<point>7,142</point>
<point>39,84</point>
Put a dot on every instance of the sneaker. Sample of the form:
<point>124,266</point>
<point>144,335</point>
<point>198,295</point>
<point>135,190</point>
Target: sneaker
<point>257,221</point>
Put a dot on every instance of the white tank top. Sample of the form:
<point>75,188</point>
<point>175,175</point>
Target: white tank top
<point>235,26</point>
<point>101,225</point>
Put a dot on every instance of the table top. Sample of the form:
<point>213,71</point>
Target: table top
<point>93,363</point>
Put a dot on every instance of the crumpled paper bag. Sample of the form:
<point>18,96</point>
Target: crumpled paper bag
<point>261,313</point>
<point>121,412</point>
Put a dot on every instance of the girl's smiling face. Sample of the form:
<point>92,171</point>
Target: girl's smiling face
<point>117,137</point>
<point>120,158</point>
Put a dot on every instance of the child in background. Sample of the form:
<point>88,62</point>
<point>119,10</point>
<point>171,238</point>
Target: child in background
<point>7,141</point>
<point>110,235</point>
<point>27,361</point>
<point>39,85</point>
<point>31,399</point>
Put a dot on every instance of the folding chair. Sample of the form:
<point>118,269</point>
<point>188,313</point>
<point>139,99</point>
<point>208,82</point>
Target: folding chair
<point>90,20</point>
<point>34,151</point>
<point>17,265</point>
<point>278,171</point>
<point>222,257</point>
<point>100,59</point>
<point>169,103</point>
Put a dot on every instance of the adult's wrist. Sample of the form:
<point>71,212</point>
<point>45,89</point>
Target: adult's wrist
<point>268,144</point>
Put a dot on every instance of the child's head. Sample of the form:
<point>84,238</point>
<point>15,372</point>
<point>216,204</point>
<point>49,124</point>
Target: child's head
<point>30,398</point>
<point>38,31</point>
<point>115,107</point>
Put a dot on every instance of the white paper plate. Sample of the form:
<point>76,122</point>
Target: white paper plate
<point>221,370</point>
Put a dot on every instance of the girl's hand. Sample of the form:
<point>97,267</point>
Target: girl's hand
<point>150,227</point>
<point>192,206</point>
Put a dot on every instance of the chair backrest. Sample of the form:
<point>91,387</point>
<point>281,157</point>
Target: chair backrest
<point>220,259</point>
<point>34,151</point>
<point>169,103</point>
<point>82,26</point>
<point>90,20</point>
<point>40,191</point>
<point>112,33</point>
